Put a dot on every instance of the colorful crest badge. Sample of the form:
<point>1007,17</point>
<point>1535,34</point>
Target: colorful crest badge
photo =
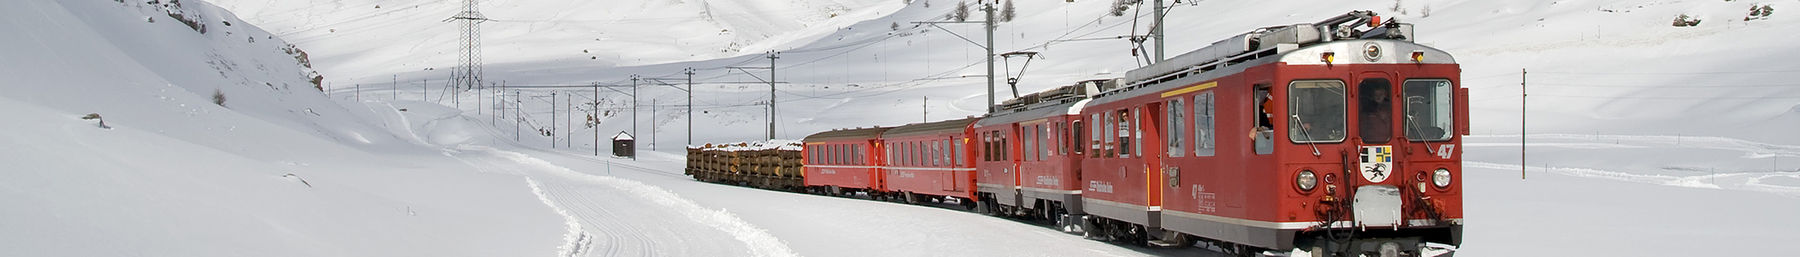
<point>1377,162</point>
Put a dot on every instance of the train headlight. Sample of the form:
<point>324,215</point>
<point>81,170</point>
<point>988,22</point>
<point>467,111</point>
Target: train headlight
<point>1441,177</point>
<point>1306,180</point>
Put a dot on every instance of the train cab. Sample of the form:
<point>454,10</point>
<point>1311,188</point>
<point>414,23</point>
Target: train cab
<point>1339,137</point>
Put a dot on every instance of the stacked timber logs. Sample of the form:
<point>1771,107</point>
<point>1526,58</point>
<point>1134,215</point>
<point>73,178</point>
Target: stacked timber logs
<point>768,165</point>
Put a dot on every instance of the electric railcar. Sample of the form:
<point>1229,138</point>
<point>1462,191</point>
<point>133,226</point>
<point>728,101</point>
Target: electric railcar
<point>1340,138</point>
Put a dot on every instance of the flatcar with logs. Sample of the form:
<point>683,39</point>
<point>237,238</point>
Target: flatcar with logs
<point>1338,138</point>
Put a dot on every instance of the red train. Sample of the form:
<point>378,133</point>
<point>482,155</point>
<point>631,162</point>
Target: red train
<point>1339,137</point>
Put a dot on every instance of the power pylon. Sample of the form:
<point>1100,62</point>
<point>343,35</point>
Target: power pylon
<point>467,74</point>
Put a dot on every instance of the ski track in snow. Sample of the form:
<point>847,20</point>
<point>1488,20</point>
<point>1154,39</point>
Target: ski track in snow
<point>624,239</point>
<point>576,240</point>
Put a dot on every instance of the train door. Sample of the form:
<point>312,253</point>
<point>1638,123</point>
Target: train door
<point>941,148</point>
<point>1374,115</point>
<point>1150,141</point>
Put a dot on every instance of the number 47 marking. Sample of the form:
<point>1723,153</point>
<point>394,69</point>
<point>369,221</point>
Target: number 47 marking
<point>1444,151</point>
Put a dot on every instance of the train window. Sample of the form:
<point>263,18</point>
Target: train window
<point>1131,133</point>
<point>1005,149</point>
<point>1062,138</point>
<point>1109,130</point>
<point>987,146</point>
<point>1078,133</point>
<point>912,153</point>
<point>936,153</point>
<point>1044,142</point>
<point>1173,132</point>
<point>1203,124</point>
<point>858,153</point>
<point>1030,142</point>
<point>945,153</point>
<point>1428,110</point>
<point>924,153</point>
<point>957,153</point>
<point>1375,110</point>
<point>1124,133</point>
<point>900,158</point>
<point>905,154</point>
<point>939,151</point>
<point>1094,134</point>
<point>994,150</point>
<point>1318,110</point>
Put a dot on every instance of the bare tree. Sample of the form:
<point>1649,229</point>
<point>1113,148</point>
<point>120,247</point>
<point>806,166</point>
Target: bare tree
<point>962,12</point>
<point>1006,11</point>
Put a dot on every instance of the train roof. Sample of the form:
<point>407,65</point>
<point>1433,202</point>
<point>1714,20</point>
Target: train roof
<point>1298,44</point>
<point>1065,108</point>
<point>843,134</point>
<point>931,127</point>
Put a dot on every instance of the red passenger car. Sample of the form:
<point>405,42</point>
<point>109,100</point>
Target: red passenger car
<point>929,160</point>
<point>844,161</point>
<point>1029,162</point>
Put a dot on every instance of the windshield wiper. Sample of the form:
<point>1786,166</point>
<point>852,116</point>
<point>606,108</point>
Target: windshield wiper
<point>1306,134</point>
<point>1415,129</point>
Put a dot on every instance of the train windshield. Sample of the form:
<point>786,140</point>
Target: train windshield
<point>1318,111</point>
<point>1428,110</point>
<point>1375,115</point>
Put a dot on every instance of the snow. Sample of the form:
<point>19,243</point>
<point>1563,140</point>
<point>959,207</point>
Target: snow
<point>1645,139</point>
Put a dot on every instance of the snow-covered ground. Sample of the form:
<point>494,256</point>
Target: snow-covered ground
<point>1646,139</point>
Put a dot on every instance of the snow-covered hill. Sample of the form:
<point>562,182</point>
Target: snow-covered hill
<point>368,40</point>
<point>276,170</point>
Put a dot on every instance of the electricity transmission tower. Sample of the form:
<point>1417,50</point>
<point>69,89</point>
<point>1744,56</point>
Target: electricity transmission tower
<point>467,74</point>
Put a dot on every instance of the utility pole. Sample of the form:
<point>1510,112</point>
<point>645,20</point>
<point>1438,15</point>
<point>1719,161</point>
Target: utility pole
<point>988,6</point>
<point>690,106</point>
<point>1156,30</point>
<point>771,81</point>
<point>359,92</point>
<point>426,84</point>
<point>925,109</point>
<point>1522,120</point>
<point>395,84</point>
<point>594,116</point>
<point>652,124</point>
<point>772,58</point>
<point>569,121</point>
<point>634,110</point>
<point>518,115</point>
<point>552,119</point>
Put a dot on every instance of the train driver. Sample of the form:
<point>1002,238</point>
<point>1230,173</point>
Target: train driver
<point>1265,108</point>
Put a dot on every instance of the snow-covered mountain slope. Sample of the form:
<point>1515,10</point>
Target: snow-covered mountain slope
<point>276,170</point>
<point>367,40</point>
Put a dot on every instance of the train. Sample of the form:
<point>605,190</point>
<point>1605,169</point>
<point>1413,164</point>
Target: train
<point>1338,138</point>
